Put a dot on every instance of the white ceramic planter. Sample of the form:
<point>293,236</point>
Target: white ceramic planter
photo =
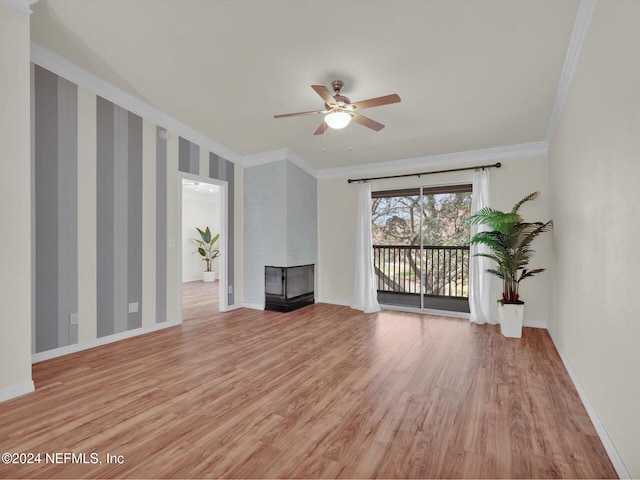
<point>511,317</point>
<point>208,276</point>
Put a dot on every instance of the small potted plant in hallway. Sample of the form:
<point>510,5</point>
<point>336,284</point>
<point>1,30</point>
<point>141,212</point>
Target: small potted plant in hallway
<point>509,242</point>
<point>208,251</point>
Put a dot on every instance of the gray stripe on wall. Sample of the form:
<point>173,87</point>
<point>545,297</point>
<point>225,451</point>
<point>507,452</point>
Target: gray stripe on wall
<point>231,242</point>
<point>188,157</point>
<point>119,216</point>
<point>161,227</point>
<point>222,169</point>
<point>68,211</point>
<point>56,226</point>
<point>194,158</point>
<point>214,162</point>
<point>183,155</point>
<point>105,247</point>
<point>121,255</point>
<point>230,174</point>
<point>33,207</point>
<point>134,230</point>
<point>46,108</point>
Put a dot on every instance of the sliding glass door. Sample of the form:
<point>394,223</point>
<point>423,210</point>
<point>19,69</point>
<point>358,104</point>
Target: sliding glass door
<point>418,242</point>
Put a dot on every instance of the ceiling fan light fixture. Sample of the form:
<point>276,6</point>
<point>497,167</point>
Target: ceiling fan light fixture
<point>339,111</point>
<point>338,119</point>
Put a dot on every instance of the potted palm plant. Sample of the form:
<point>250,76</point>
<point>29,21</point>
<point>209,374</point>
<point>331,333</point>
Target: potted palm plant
<point>508,241</point>
<point>208,251</point>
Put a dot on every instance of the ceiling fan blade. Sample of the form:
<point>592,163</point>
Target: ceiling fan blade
<point>324,93</point>
<point>377,102</point>
<point>323,126</point>
<point>314,112</point>
<point>366,122</point>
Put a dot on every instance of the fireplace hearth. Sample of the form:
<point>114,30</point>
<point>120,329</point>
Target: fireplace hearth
<point>288,288</point>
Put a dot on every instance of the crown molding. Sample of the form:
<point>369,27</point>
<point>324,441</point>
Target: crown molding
<point>261,158</point>
<point>70,71</point>
<point>277,155</point>
<point>297,160</point>
<point>398,166</point>
<point>22,5</point>
<point>450,160</point>
<point>578,34</point>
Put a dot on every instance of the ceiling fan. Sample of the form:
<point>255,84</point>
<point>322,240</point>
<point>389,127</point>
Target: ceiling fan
<point>339,111</point>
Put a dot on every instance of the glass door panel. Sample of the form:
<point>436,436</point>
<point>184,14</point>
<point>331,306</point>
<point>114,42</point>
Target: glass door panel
<point>396,238</point>
<point>419,254</point>
<point>447,257</point>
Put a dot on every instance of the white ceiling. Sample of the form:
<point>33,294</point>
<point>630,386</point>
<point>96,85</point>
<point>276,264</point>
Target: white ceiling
<point>472,74</point>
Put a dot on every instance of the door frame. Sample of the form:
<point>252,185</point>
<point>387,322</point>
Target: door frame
<point>223,302</point>
<point>422,308</point>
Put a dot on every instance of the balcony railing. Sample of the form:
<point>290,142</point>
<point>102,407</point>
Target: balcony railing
<point>399,269</point>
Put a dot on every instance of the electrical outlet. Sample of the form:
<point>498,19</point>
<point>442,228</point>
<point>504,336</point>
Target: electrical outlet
<point>133,307</point>
<point>73,319</point>
<point>230,289</point>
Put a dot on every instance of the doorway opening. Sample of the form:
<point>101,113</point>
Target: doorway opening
<point>420,257</point>
<point>202,205</point>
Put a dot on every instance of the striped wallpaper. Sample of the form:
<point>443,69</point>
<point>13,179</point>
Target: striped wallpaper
<point>119,216</point>
<point>188,157</point>
<point>161,227</point>
<point>115,180</point>
<point>219,169</point>
<point>55,123</point>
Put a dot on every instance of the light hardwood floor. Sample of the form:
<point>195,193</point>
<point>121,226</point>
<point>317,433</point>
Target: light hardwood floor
<point>320,392</point>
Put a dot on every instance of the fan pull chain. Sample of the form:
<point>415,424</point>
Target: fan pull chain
<point>324,140</point>
<point>351,136</point>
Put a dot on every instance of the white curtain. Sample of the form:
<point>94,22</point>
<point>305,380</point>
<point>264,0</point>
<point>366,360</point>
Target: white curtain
<point>365,295</point>
<point>480,296</point>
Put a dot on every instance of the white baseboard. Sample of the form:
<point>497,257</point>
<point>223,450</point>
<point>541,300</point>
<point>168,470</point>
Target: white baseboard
<point>78,347</point>
<point>332,302</point>
<point>535,324</point>
<point>17,391</point>
<point>609,447</point>
<point>253,306</point>
<point>233,307</point>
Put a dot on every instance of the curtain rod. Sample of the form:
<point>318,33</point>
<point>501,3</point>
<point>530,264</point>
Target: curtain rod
<point>496,165</point>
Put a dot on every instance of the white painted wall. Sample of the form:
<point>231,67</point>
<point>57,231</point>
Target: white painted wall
<point>595,172</point>
<point>337,213</point>
<point>510,184</point>
<point>198,211</point>
<point>337,206</point>
<point>15,205</point>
